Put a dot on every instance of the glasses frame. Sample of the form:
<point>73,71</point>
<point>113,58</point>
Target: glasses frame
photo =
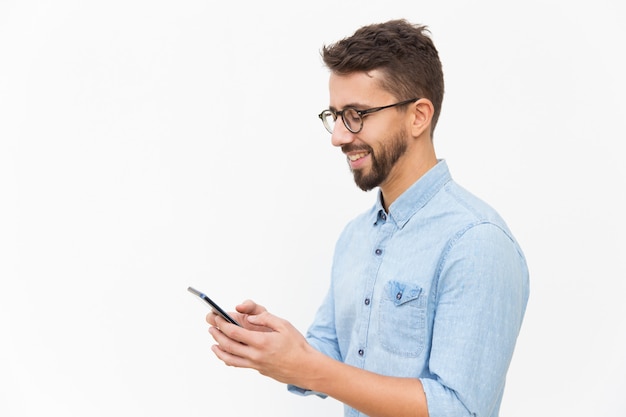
<point>360,113</point>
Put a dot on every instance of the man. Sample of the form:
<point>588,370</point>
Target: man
<point>428,287</point>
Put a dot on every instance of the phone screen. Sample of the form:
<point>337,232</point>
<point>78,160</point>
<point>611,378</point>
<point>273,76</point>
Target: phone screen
<point>217,309</point>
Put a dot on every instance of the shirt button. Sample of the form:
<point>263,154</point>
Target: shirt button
<point>399,296</point>
<point>383,216</point>
<point>361,352</point>
<point>379,251</point>
<point>367,301</point>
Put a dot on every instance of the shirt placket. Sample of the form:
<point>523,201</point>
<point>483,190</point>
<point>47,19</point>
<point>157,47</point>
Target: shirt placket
<point>383,230</point>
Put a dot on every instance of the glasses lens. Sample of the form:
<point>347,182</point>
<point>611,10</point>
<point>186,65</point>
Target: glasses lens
<point>352,120</point>
<point>328,118</point>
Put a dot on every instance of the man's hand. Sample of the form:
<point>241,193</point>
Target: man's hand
<point>244,310</point>
<point>267,343</point>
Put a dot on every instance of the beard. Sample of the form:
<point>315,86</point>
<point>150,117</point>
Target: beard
<point>382,161</point>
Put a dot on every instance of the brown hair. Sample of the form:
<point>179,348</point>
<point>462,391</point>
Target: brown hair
<point>402,51</point>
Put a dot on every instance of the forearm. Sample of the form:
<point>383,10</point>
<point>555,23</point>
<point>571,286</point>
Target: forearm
<point>373,394</point>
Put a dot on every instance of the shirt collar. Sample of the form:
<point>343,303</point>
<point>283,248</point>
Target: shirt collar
<point>416,196</point>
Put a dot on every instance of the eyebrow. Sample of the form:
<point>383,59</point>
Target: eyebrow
<point>356,106</point>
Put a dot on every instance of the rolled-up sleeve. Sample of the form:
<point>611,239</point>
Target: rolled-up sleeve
<point>323,337</point>
<point>480,298</point>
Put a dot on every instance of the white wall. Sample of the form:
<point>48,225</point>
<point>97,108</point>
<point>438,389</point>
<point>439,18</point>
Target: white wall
<point>150,145</point>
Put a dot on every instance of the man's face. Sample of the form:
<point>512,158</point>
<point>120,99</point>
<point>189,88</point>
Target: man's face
<point>383,155</point>
<point>372,153</point>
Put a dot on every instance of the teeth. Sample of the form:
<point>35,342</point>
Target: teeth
<point>357,156</point>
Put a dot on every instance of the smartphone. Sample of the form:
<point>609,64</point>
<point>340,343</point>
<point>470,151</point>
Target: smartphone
<point>217,309</point>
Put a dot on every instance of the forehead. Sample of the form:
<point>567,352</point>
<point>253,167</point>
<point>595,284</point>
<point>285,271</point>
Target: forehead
<point>357,89</point>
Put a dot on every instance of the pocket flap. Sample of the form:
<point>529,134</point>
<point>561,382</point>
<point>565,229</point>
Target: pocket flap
<point>401,292</point>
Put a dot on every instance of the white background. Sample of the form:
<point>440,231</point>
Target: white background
<point>146,146</point>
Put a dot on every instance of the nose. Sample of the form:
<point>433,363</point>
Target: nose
<point>341,135</point>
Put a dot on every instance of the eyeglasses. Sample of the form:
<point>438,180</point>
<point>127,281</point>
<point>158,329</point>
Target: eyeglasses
<point>353,118</point>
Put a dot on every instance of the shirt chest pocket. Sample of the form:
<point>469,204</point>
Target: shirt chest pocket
<point>402,319</point>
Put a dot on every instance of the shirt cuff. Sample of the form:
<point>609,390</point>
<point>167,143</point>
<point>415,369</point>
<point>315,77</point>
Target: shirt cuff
<point>304,392</point>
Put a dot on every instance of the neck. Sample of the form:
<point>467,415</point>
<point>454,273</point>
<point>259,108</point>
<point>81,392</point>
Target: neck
<point>405,173</point>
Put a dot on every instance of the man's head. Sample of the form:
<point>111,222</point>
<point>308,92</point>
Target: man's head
<point>386,89</point>
<point>402,52</point>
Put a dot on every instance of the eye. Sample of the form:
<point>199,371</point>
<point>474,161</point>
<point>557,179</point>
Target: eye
<point>329,115</point>
<point>352,116</point>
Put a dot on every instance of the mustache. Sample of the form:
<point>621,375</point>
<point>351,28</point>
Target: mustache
<point>351,147</point>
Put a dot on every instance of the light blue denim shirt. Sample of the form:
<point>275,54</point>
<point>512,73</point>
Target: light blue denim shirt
<point>435,289</point>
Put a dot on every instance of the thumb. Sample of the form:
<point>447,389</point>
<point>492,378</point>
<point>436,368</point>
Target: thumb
<point>266,319</point>
<point>250,307</point>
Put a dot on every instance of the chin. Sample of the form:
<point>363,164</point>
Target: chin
<point>365,184</point>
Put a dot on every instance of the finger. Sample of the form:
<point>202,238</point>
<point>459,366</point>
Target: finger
<point>245,337</point>
<point>227,344</point>
<point>230,359</point>
<point>210,318</point>
<point>220,322</point>
<point>250,307</point>
<point>267,319</point>
<point>232,331</point>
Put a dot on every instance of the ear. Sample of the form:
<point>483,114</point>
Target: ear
<point>423,111</point>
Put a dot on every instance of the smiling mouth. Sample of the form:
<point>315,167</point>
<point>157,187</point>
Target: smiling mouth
<point>357,156</point>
